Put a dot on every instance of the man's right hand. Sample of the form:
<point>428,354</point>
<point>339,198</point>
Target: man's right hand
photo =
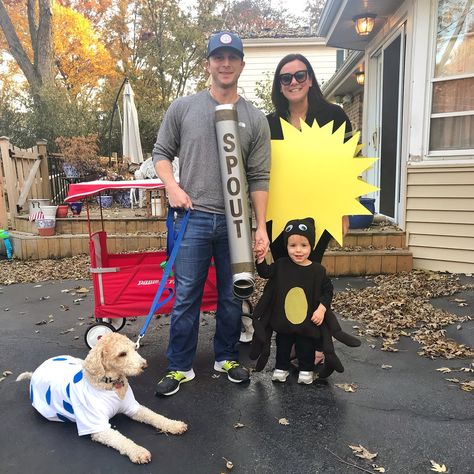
<point>178,198</point>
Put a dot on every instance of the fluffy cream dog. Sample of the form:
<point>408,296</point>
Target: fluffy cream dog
<point>89,392</point>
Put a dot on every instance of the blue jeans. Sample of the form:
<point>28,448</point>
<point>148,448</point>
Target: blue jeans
<point>205,237</point>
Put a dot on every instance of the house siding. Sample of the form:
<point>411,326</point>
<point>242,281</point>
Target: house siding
<point>261,62</point>
<point>440,217</point>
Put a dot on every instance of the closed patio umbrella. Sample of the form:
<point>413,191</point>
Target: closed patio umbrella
<point>131,143</point>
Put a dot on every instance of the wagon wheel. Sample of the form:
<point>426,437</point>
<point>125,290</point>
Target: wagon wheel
<point>117,323</point>
<point>95,332</point>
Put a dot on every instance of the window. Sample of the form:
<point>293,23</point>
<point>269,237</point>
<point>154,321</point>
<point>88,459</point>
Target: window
<point>452,110</point>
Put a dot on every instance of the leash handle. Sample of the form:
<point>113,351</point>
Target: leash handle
<point>169,265</point>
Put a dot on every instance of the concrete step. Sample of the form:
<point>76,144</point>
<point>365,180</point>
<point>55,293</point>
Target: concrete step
<point>372,238</point>
<point>367,262</point>
<point>33,247</point>
<point>112,225</point>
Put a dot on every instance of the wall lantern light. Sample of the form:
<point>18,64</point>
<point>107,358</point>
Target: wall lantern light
<point>364,23</point>
<point>360,77</point>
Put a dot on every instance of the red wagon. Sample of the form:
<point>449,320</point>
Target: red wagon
<point>126,284</point>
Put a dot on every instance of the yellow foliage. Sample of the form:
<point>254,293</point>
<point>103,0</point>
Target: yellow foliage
<point>80,55</point>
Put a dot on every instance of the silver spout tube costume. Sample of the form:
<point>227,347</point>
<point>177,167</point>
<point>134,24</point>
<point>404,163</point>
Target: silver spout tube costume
<point>236,200</point>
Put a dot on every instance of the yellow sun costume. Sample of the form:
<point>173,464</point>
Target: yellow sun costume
<point>315,174</point>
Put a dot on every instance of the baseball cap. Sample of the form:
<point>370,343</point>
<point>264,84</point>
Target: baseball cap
<point>225,39</point>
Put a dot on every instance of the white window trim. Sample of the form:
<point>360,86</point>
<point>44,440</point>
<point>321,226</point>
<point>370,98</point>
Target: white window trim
<point>431,155</point>
<point>452,114</point>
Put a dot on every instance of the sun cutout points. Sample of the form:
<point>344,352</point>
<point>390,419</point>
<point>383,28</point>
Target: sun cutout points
<point>315,174</point>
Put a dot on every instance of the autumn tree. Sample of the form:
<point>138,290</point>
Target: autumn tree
<point>33,50</point>
<point>313,10</point>
<point>252,17</point>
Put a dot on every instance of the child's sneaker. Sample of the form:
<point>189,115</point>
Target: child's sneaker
<point>305,377</point>
<point>280,375</point>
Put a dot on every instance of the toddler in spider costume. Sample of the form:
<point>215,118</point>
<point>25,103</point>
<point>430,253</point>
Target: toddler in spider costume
<point>296,305</point>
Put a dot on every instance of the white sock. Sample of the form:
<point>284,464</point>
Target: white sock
<point>188,373</point>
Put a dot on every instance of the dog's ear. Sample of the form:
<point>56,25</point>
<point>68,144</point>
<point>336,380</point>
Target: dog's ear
<point>94,362</point>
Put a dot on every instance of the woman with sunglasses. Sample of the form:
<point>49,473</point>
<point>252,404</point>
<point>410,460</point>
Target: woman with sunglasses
<point>296,96</point>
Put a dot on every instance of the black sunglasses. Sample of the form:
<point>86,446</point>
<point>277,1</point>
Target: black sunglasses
<point>300,76</point>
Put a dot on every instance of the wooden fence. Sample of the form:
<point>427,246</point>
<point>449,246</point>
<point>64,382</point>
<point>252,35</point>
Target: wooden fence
<point>24,174</point>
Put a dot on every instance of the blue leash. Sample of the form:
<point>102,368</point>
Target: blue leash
<point>172,250</point>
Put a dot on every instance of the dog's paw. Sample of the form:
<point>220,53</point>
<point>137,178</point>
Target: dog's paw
<point>177,427</point>
<point>140,455</point>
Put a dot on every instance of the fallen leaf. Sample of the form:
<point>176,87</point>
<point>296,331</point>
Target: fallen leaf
<point>444,370</point>
<point>386,366</point>
<point>6,373</point>
<point>438,467</point>
<point>37,286</point>
<point>64,307</point>
<point>239,425</point>
<point>67,331</point>
<point>362,452</point>
<point>378,468</point>
<point>2,379</point>
<point>39,323</point>
<point>453,380</point>
<point>228,464</point>
<point>283,421</point>
<point>82,290</point>
<point>347,387</point>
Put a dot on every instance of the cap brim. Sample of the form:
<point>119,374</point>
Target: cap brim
<point>240,53</point>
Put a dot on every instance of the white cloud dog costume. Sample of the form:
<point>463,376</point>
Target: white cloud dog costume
<point>60,392</point>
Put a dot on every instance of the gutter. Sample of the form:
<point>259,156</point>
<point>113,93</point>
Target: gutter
<point>353,59</point>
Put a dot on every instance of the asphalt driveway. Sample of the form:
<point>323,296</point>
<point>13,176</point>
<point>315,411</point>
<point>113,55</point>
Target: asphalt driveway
<point>409,414</point>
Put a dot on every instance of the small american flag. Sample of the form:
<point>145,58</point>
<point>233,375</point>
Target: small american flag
<point>36,216</point>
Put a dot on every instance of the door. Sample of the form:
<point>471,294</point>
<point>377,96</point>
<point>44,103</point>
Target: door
<point>384,122</point>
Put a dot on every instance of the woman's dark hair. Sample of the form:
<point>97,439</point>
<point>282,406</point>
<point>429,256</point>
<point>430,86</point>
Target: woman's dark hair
<point>315,96</point>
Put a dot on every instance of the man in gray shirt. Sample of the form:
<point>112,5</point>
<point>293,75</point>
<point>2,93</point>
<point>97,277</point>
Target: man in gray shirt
<point>188,132</point>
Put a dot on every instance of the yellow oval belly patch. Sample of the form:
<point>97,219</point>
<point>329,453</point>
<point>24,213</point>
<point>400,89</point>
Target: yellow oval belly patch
<point>296,305</point>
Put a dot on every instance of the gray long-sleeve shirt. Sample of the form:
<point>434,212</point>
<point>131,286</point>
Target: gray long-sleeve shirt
<point>188,132</point>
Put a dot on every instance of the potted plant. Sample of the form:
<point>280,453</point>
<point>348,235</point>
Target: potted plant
<point>62,211</point>
<point>80,156</point>
<point>362,221</point>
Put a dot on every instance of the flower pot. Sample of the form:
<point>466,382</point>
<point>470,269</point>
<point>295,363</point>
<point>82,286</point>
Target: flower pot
<point>122,198</point>
<point>34,206</point>
<point>49,212</point>
<point>62,211</point>
<point>363,221</point>
<point>76,208</point>
<point>70,171</point>
<point>46,227</point>
<point>105,201</point>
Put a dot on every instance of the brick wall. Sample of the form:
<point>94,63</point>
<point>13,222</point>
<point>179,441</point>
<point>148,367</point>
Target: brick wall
<point>353,109</point>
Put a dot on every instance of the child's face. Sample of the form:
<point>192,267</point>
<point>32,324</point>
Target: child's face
<point>298,249</point>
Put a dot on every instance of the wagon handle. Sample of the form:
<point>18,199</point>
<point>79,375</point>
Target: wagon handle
<point>169,265</point>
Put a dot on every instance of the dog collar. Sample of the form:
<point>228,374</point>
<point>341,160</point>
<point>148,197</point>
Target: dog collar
<point>117,383</point>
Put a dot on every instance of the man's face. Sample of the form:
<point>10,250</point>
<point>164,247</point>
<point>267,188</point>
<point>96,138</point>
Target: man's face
<point>225,67</point>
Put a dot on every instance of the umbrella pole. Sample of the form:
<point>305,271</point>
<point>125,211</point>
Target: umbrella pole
<point>112,119</point>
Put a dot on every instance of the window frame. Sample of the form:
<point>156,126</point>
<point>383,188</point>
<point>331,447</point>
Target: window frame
<point>452,153</point>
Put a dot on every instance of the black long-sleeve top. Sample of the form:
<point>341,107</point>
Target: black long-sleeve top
<point>297,291</point>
